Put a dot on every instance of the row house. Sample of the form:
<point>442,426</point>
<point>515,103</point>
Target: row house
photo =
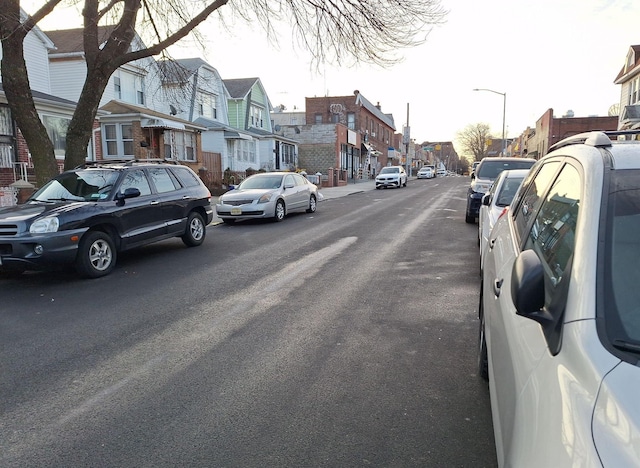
<point>629,80</point>
<point>535,142</point>
<point>344,137</point>
<point>177,110</point>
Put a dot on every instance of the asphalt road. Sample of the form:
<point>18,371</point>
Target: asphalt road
<point>339,339</point>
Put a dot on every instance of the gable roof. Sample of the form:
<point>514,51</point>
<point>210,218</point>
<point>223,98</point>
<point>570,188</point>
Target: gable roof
<point>70,41</point>
<point>239,88</point>
<point>181,70</point>
<point>627,71</point>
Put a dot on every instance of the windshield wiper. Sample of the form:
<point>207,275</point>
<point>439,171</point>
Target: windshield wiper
<point>624,345</point>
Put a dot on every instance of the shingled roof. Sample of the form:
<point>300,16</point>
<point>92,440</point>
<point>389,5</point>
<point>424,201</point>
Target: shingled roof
<point>70,41</point>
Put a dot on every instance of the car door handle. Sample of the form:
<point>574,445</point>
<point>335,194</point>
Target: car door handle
<point>155,202</point>
<point>186,197</point>
<point>497,286</point>
<point>492,243</point>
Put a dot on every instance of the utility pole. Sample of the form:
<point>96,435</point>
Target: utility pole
<point>407,138</point>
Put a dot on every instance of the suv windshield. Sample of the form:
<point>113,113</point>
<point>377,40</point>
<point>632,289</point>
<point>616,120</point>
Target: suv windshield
<point>492,169</point>
<point>622,299</point>
<point>389,170</point>
<point>79,185</point>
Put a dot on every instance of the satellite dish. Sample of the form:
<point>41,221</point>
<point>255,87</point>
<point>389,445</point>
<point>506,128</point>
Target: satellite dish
<point>173,109</point>
<point>614,110</point>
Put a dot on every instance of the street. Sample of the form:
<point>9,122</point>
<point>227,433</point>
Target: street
<point>341,338</point>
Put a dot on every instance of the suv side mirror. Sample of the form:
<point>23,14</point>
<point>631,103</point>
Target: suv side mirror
<point>130,192</point>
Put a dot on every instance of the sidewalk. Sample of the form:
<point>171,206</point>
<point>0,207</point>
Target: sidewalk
<point>325,192</point>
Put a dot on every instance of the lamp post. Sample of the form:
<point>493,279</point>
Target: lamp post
<point>504,111</point>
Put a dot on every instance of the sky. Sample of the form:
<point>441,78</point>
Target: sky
<point>558,54</point>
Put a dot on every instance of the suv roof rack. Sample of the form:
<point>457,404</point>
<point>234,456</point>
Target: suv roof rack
<point>125,162</point>
<point>596,138</point>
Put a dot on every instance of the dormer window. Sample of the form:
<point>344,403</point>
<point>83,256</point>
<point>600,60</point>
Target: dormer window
<point>630,61</point>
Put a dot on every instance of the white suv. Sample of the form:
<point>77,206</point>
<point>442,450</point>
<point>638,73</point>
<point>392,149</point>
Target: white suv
<point>559,309</point>
<point>391,176</point>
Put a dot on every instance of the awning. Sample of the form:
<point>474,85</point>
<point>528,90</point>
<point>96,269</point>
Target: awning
<point>161,123</point>
<point>229,135</point>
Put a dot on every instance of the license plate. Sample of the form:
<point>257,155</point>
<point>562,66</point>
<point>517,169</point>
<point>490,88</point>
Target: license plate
<point>236,211</point>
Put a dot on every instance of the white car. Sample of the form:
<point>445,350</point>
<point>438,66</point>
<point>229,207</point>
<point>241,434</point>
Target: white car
<point>425,172</point>
<point>495,202</point>
<point>268,195</point>
<point>391,176</point>
<point>559,335</point>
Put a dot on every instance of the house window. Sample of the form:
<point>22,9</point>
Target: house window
<point>288,154</point>
<point>256,116</point>
<point>117,87</point>
<point>140,97</point>
<point>180,146</point>
<point>118,140</point>
<point>351,120</point>
<point>318,118</point>
<point>634,90</point>
<point>57,131</point>
<point>214,107</point>
<point>335,118</point>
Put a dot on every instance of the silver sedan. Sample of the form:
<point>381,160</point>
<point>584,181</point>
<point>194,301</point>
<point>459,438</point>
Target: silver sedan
<point>268,195</point>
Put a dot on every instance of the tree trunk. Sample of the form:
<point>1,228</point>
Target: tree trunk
<point>15,83</point>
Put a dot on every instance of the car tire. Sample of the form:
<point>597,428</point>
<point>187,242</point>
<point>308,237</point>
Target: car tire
<point>280,211</point>
<point>483,357</point>
<point>405,183</point>
<point>96,255</point>
<point>196,230</point>
<point>313,204</point>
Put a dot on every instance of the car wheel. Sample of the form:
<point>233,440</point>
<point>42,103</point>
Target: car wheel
<point>483,358</point>
<point>312,204</point>
<point>280,211</point>
<point>196,230</point>
<point>96,255</point>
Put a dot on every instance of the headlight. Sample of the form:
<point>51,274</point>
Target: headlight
<point>265,198</point>
<point>48,224</point>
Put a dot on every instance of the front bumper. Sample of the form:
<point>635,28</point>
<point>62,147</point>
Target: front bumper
<point>387,183</point>
<point>252,210</point>
<point>27,252</point>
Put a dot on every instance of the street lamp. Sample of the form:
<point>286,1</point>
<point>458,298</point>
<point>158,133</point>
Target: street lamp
<point>504,111</point>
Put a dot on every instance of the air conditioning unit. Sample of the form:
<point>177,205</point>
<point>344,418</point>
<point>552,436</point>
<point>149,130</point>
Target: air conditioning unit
<point>373,134</point>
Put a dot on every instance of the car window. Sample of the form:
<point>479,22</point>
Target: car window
<point>299,179</point>
<point>288,180</point>
<point>261,182</point>
<point>529,204</point>
<point>389,170</point>
<point>623,257</point>
<point>552,233</point>
<point>162,179</point>
<point>492,169</point>
<point>186,177</point>
<point>136,179</point>
<point>508,191</point>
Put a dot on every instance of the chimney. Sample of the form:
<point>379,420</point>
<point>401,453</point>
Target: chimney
<point>378,106</point>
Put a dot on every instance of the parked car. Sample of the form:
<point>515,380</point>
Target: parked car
<point>486,172</point>
<point>391,176</point>
<point>425,172</point>
<point>495,202</point>
<point>441,173</point>
<point>268,195</point>
<point>474,165</point>
<point>559,335</point>
<point>88,215</point>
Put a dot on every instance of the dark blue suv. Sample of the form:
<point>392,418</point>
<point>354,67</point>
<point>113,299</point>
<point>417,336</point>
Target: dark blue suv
<point>85,216</point>
<point>481,179</point>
